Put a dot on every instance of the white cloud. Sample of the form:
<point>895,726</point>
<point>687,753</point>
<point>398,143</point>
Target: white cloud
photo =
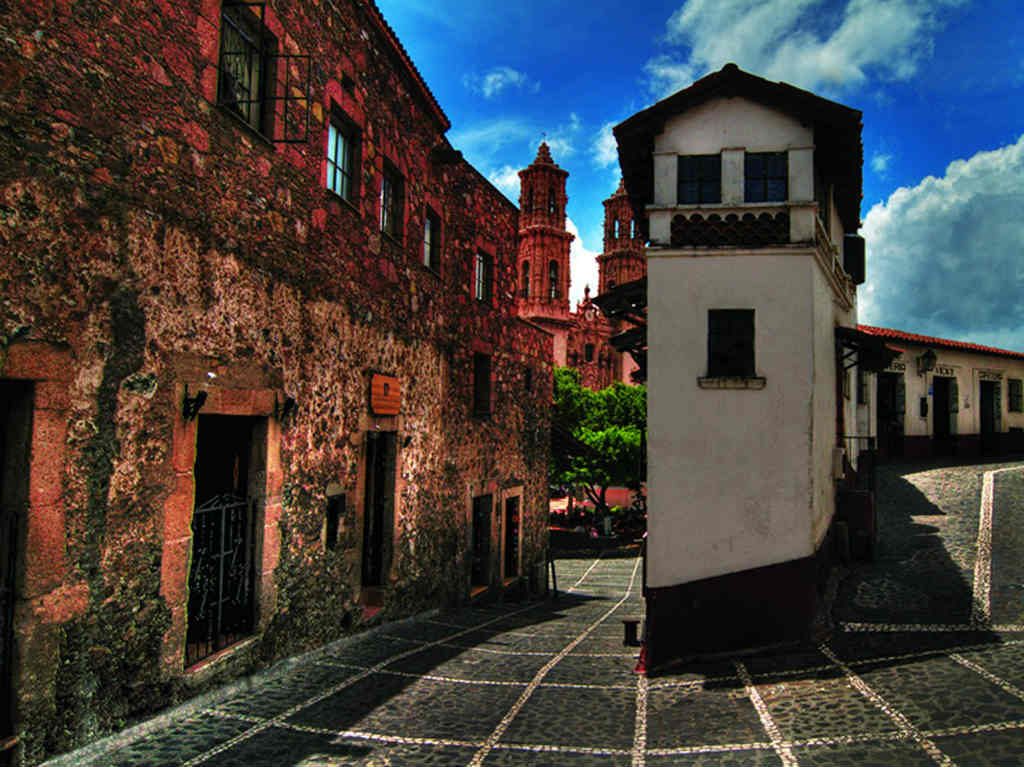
<point>944,257</point>
<point>582,266</point>
<point>506,178</point>
<point>492,83</point>
<point>604,149</point>
<point>562,140</point>
<point>880,163</point>
<point>798,41</point>
<point>481,142</point>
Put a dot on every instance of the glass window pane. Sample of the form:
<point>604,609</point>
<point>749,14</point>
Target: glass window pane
<point>753,191</point>
<point>776,190</point>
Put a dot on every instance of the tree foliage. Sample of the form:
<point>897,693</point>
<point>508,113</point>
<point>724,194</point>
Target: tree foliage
<point>597,436</point>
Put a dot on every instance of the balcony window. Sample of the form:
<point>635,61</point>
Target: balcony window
<point>699,179</point>
<point>766,177</point>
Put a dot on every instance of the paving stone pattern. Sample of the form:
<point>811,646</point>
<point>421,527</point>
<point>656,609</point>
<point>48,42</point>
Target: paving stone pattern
<point>550,683</point>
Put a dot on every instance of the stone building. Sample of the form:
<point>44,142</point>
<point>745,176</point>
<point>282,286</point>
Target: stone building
<point>752,192</point>
<point>261,383</point>
<point>581,336</point>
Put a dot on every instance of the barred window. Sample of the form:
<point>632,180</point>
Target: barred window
<point>245,81</point>
<point>700,179</point>
<point>342,145</point>
<point>730,343</point>
<point>766,177</point>
<point>524,281</point>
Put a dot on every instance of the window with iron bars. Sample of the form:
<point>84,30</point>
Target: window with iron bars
<point>246,53</point>
<point>265,89</point>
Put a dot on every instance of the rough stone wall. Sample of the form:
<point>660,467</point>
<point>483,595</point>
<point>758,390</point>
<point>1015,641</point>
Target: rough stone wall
<point>153,238</point>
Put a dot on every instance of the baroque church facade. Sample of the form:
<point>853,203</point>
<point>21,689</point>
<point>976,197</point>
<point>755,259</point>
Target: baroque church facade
<point>581,335</point>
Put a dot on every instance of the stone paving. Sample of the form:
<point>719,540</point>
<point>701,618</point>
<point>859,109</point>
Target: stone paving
<point>925,666</point>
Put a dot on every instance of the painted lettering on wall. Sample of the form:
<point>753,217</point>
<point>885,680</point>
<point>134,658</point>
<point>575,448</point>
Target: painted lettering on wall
<point>897,367</point>
<point>988,375</point>
<point>945,371</point>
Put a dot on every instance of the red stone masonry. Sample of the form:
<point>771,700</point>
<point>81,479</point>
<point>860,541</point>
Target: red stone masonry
<point>150,241</point>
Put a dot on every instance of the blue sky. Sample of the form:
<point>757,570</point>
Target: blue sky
<point>940,82</point>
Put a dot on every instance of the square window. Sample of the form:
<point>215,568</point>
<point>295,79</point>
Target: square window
<point>342,154</point>
<point>432,241</point>
<point>731,343</point>
<point>391,200</point>
<point>481,385</point>
<point>245,82</point>
<point>483,277</point>
<point>700,179</point>
<point>766,177</point>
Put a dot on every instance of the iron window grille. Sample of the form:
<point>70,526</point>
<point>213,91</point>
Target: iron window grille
<point>699,179</point>
<point>342,158</point>
<point>481,385</point>
<point>1016,403</point>
<point>266,90</point>
<point>432,241</point>
<point>483,277</point>
<point>391,202</point>
<point>731,343</point>
<point>765,177</point>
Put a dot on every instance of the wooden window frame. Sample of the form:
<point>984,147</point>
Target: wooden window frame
<point>699,179</point>
<point>392,202</point>
<point>759,176</point>
<point>483,277</point>
<point>431,240</point>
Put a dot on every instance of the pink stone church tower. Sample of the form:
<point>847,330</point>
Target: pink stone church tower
<point>544,242</point>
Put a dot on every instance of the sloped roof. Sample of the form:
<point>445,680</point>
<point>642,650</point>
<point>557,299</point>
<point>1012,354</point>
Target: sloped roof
<point>942,343</point>
<point>837,129</point>
<point>403,56</point>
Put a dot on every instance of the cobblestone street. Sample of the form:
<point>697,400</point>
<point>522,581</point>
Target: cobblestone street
<point>925,666</point>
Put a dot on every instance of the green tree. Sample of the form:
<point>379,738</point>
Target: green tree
<point>597,436</point>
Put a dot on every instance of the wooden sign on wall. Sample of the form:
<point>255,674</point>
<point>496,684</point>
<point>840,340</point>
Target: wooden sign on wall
<point>385,395</point>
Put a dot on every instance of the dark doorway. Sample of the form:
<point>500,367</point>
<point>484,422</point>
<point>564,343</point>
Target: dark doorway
<point>891,407</point>
<point>480,574</point>
<point>990,416</point>
<point>15,451</point>
<point>512,537</point>
<point>943,413</point>
<point>379,506</point>
<point>221,582</point>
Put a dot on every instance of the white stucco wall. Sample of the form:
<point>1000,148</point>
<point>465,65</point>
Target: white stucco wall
<point>729,474</point>
<point>733,124</point>
<point>969,369</point>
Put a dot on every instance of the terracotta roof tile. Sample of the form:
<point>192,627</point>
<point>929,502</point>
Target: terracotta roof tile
<point>944,343</point>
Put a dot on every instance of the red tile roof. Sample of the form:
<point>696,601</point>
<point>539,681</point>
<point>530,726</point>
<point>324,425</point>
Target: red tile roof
<point>944,343</point>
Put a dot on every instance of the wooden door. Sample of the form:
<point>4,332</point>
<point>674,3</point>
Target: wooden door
<point>378,506</point>
<point>480,574</point>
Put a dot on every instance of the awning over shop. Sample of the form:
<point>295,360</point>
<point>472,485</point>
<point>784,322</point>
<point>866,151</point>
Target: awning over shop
<point>868,352</point>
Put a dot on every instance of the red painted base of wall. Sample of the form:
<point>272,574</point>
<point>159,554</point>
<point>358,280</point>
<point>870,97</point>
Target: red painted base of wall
<point>751,608</point>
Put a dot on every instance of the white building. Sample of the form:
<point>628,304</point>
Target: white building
<point>752,193</point>
<point>941,397</point>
